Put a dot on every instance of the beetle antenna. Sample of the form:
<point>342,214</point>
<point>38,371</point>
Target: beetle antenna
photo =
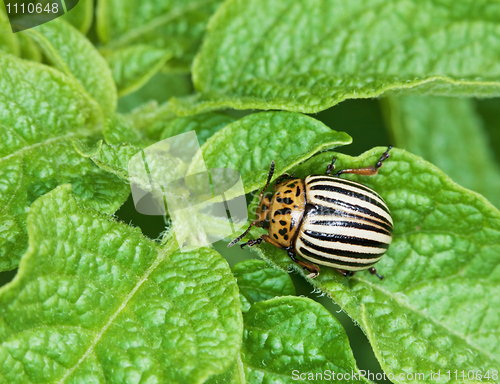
<point>241,236</point>
<point>269,177</point>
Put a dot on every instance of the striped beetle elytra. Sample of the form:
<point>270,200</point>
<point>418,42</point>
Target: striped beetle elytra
<point>326,220</point>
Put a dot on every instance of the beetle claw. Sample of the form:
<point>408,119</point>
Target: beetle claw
<point>373,271</point>
<point>331,166</point>
<point>312,275</point>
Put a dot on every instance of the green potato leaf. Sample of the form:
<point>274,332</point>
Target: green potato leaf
<point>205,125</point>
<point>257,281</point>
<point>124,141</point>
<point>74,55</point>
<point>95,301</point>
<point>133,66</point>
<point>449,133</point>
<point>158,90</point>
<point>41,112</point>
<point>251,143</point>
<point>81,16</point>
<point>306,56</point>
<point>149,117</point>
<point>8,40</point>
<point>176,25</point>
<point>29,49</point>
<point>113,159</point>
<point>120,129</point>
<point>114,154</point>
<point>438,306</point>
<point>289,340</point>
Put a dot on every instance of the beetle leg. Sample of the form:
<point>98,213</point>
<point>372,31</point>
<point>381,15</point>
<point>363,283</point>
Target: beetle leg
<point>330,167</point>
<point>368,171</point>
<point>265,238</point>
<point>270,240</point>
<point>251,243</point>
<point>373,271</point>
<point>344,272</point>
<point>313,268</point>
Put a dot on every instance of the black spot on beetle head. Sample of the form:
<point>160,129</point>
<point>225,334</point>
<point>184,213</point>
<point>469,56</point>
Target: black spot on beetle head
<point>286,200</point>
<point>283,211</point>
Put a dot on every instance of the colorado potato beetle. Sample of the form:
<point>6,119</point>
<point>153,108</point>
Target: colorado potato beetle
<point>326,220</point>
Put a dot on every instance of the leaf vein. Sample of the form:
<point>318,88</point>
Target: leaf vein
<point>157,22</point>
<point>246,60</point>
<point>422,314</point>
<point>161,257</point>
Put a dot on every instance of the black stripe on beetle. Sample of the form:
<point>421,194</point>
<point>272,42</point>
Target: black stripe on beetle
<point>321,211</point>
<point>350,193</point>
<point>352,224</point>
<point>337,238</point>
<point>318,258</point>
<point>352,207</point>
<point>331,250</point>
<point>342,181</point>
